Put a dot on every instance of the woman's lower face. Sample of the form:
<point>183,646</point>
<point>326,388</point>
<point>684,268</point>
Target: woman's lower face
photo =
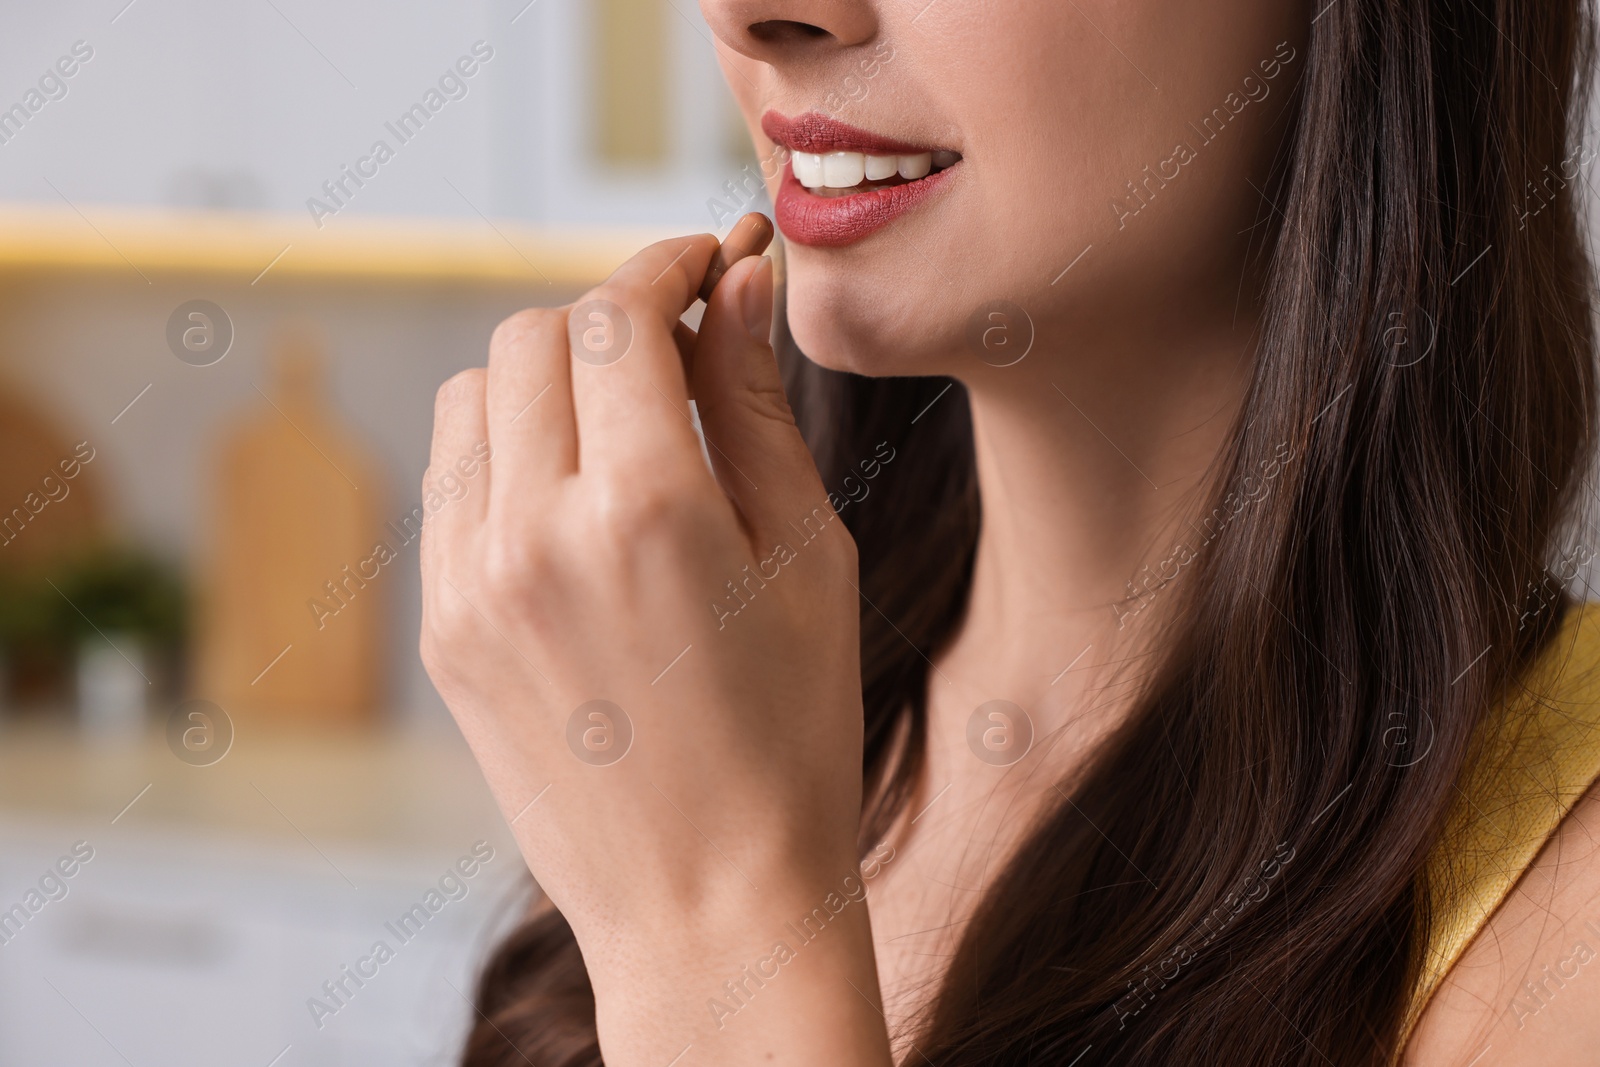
<point>1093,164</point>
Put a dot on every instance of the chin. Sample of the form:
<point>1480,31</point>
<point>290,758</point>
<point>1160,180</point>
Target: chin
<point>870,324</point>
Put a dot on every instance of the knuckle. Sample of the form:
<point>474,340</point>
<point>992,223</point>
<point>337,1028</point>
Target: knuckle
<point>624,511</point>
<point>516,563</point>
<point>459,388</point>
<point>447,626</point>
<point>445,609</point>
<point>448,660</point>
<point>626,295</point>
<point>524,326</point>
<point>628,511</point>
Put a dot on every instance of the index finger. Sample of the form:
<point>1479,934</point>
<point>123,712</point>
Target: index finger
<point>628,386</point>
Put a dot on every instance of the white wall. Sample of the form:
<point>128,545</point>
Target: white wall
<point>255,104</point>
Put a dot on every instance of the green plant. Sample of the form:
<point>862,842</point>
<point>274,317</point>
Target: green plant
<point>115,588</point>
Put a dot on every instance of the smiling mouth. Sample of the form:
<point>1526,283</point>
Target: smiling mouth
<point>844,183</point>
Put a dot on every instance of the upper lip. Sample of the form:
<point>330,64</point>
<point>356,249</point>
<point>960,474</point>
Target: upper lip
<point>812,132</point>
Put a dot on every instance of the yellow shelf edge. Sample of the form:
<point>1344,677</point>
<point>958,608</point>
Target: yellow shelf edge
<point>261,247</point>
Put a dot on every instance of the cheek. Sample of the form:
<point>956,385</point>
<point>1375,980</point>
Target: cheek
<point>1094,190</point>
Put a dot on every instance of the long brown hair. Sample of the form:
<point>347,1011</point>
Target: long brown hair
<point>1239,875</point>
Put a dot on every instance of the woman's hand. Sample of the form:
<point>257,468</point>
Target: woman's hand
<point>657,666</point>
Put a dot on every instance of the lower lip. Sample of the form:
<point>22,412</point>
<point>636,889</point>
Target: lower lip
<point>836,221</point>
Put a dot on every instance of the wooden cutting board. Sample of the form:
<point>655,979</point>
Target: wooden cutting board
<point>292,612</point>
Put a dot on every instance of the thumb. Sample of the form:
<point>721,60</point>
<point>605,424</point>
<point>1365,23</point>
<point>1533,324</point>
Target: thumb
<point>756,450</point>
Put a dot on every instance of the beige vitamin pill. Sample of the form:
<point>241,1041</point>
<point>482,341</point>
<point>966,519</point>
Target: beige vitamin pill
<point>750,236</point>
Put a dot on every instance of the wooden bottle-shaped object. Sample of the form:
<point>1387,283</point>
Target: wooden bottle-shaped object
<point>292,626</point>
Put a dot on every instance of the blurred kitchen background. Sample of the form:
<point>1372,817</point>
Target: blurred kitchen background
<point>224,311</point>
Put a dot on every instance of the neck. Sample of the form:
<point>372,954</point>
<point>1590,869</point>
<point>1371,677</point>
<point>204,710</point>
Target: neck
<point>1089,465</point>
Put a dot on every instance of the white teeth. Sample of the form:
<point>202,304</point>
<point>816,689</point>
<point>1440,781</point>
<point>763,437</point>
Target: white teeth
<point>846,170</point>
<point>843,170</point>
<point>913,167</point>
<point>808,169</point>
<point>880,168</point>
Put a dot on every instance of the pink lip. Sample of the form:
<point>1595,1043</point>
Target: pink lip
<point>836,221</point>
<point>832,222</point>
<point>812,132</point>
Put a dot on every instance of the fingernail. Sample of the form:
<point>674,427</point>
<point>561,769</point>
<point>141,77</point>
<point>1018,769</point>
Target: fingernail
<point>756,303</point>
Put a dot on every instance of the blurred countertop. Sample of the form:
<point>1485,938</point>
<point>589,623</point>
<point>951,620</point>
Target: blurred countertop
<point>385,790</point>
<point>219,898</point>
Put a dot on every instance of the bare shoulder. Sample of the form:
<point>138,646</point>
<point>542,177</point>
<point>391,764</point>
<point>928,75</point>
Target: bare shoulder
<point>1527,989</point>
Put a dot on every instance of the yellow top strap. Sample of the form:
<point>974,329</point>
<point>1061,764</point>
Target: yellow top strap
<point>1531,765</point>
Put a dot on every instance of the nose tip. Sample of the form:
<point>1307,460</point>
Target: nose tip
<point>775,30</point>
